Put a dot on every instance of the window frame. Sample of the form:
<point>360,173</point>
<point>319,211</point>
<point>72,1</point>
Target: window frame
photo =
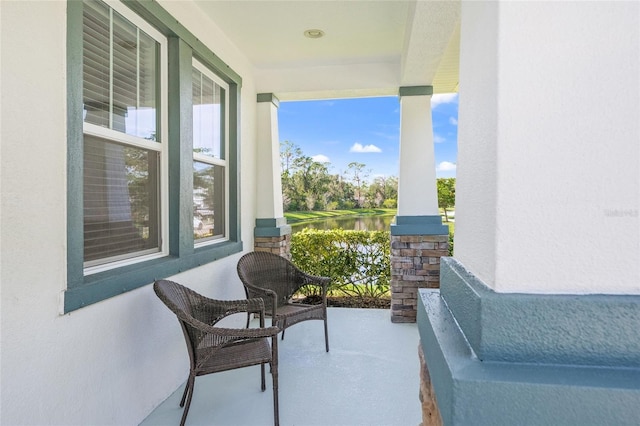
<point>224,149</point>
<point>160,145</point>
<point>86,289</point>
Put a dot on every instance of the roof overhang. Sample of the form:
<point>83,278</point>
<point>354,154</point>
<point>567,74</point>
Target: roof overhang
<point>369,48</point>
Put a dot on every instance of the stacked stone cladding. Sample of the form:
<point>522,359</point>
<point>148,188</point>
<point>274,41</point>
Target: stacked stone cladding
<point>430,412</point>
<point>278,245</point>
<point>415,263</point>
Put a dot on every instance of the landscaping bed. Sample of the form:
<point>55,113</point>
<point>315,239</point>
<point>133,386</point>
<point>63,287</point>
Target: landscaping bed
<point>351,302</point>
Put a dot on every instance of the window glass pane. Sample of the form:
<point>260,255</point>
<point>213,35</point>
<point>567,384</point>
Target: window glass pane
<point>208,201</point>
<point>148,102</point>
<point>121,213</point>
<point>96,65</point>
<point>208,131</point>
<point>125,71</point>
<point>120,71</point>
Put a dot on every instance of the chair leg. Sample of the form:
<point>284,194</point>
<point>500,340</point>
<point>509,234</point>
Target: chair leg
<point>187,386</point>
<point>326,334</point>
<point>264,385</point>
<point>282,334</point>
<point>274,378</point>
<point>190,384</point>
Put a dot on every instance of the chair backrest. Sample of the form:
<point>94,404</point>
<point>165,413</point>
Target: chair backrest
<point>175,296</point>
<point>270,271</point>
<point>191,308</point>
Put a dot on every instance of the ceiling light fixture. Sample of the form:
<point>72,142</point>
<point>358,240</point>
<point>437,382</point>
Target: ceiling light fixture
<point>314,33</point>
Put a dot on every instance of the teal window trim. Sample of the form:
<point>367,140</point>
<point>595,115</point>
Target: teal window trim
<point>85,290</point>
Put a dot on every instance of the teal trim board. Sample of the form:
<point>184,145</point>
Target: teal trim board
<point>271,227</point>
<point>268,97</point>
<point>419,225</point>
<point>485,373</point>
<point>415,91</point>
<point>553,329</point>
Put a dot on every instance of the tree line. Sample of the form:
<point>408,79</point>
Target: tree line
<point>308,185</point>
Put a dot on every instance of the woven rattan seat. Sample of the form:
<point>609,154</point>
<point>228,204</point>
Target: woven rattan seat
<point>213,349</point>
<point>276,280</point>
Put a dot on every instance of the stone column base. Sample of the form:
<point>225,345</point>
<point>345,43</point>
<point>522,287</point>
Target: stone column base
<point>415,263</point>
<point>280,245</point>
<point>430,411</point>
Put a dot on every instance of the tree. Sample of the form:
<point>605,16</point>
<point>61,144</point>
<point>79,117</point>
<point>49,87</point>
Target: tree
<point>289,152</point>
<point>356,170</point>
<point>383,189</point>
<point>446,194</point>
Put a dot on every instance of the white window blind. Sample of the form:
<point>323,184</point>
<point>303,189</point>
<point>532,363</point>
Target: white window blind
<point>122,156</point>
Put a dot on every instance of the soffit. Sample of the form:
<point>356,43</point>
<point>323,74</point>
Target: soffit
<point>370,47</point>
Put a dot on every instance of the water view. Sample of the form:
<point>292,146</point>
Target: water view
<point>358,223</point>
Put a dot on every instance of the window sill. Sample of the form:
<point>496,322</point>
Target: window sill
<point>104,285</point>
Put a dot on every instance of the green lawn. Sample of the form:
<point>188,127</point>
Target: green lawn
<point>293,217</point>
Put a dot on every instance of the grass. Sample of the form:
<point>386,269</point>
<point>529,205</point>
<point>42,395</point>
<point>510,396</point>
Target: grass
<point>294,217</point>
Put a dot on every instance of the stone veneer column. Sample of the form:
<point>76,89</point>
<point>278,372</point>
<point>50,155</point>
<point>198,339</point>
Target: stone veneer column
<point>418,238</point>
<point>271,232</point>
<point>430,412</point>
<point>277,244</point>
<point>415,264</point>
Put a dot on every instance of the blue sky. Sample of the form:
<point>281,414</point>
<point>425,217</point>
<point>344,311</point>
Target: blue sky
<point>365,130</point>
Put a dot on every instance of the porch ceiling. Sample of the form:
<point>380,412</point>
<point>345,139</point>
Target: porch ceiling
<point>370,47</point>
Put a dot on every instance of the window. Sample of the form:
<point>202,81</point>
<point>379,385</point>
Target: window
<point>209,148</point>
<point>124,168</point>
<point>152,125</point>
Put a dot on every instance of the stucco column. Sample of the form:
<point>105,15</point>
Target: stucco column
<point>418,238</point>
<point>271,232</point>
<point>536,319</point>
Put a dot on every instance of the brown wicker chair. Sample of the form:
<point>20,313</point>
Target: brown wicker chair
<point>214,349</point>
<point>276,279</point>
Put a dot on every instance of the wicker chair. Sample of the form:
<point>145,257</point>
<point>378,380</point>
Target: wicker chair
<point>276,279</point>
<point>214,349</point>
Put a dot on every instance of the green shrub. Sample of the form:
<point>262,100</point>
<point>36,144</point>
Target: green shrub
<point>358,262</point>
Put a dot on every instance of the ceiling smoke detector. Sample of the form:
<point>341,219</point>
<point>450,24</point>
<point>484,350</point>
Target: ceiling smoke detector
<point>314,33</point>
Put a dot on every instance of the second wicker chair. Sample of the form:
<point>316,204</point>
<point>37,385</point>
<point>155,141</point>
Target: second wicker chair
<point>276,280</point>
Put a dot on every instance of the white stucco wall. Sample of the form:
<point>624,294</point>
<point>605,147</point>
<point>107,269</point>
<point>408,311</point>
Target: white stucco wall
<point>114,361</point>
<point>549,146</point>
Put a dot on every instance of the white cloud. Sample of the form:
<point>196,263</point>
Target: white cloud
<point>438,139</point>
<point>446,166</point>
<point>453,121</point>
<point>443,98</point>
<point>321,158</point>
<point>358,147</point>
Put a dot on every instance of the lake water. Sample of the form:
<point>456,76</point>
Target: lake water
<point>358,223</point>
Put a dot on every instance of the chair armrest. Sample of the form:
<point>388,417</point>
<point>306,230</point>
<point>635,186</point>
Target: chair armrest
<point>246,333</point>
<point>322,282</point>
<point>267,295</point>
<point>210,311</point>
<point>239,333</point>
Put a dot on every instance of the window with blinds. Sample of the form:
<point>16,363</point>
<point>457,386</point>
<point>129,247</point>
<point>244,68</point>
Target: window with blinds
<point>209,163</point>
<point>122,149</point>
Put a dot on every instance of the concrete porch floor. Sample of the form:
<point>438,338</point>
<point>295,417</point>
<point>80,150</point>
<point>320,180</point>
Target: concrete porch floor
<point>369,377</point>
